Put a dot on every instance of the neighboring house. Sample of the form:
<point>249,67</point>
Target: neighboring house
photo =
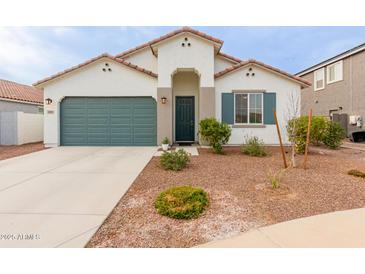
<point>338,89</point>
<point>163,88</point>
<point>19,97</point>
<point>21,113</point>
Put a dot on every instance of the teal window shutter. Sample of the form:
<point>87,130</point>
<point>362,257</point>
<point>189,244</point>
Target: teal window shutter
<point>269,106</point>
<point>228,108</point>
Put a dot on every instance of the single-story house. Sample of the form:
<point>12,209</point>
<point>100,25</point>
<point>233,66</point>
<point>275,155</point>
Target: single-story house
<point>21,113</point>
<point>19,97</point>
<point>163,88</point>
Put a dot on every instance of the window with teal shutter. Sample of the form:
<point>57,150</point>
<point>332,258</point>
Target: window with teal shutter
<point>228,108</point>
<point>252,116</point>
<point>269,106</point>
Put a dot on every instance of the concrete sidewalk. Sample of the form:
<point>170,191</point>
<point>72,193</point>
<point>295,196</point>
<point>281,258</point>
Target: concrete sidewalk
<point>351,145</point>
<point>59,197</point>
<point>336,229</point>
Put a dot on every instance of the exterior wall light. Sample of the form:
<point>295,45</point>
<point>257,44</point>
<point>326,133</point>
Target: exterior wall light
<point>163,100</point>
<point>48,101</point>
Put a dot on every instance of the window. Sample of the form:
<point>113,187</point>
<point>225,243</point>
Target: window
<point>334,72</point>
<point>319,79</point>
<point>248,108</point>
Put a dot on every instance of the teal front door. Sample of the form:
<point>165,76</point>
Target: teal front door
<point>184,119</point>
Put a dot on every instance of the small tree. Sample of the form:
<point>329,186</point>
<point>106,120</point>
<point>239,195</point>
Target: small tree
<point>292,111</point>
<point>215,133</point>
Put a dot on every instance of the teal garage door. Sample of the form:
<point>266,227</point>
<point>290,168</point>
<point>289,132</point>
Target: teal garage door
<point>108,121</point>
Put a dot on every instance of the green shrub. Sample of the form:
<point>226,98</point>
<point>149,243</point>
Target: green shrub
<point>318,129</point>
<point>254,147</point>
<point>334,135</point>
<point>215,133</point>
<point>356,173</point>
<point>323,131</point>
<point>182,202</point>
<point>174,160</point>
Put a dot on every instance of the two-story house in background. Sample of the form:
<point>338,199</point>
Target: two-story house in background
<point>338,90</point>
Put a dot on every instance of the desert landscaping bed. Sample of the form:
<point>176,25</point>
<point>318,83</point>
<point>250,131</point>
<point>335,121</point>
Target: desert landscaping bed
<point>240,198</point>
<point>7,152</point>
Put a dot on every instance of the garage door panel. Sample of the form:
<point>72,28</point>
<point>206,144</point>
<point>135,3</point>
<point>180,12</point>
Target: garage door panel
<point>108,121</point>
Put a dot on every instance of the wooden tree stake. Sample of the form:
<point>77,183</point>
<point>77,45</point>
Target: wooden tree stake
<point>281,143</point>
<point>308,138</point>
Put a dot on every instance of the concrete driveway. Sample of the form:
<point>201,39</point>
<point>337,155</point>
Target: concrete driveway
<point>59,197</point>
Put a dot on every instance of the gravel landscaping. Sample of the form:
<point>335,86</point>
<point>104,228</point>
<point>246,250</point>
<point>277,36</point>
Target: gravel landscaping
<point>7,152</point>
<point>240,197</point>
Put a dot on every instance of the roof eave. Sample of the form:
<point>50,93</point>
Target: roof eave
<point>333,59</point>
<point>303,83</point>
<point>42,83</point>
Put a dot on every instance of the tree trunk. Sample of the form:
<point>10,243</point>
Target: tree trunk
<point>293,155</point>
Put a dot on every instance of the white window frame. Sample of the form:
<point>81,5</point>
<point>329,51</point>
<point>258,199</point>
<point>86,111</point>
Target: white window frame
<point>340,63</point>
<point>248,107</point>
<point>315,79</point>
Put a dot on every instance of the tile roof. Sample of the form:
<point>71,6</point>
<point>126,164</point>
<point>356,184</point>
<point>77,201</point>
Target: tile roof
<point>19,92</point>
<point>104,55</point>
<point>227,56</point>
<point>255,62</point>
<point>169,35</point>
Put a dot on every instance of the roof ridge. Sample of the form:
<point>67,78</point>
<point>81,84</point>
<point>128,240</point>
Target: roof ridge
<point>168,35</point>
<point>350,52</point>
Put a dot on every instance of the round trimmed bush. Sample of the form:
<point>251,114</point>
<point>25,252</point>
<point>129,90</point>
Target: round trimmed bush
<point>182,202</point>
<point>174,160</point>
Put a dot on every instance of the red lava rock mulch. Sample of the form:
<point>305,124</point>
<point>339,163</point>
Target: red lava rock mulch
<point>7,152</point>
<point>240,197</point>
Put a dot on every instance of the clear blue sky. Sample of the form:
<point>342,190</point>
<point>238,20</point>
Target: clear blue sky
<point>28,54</point>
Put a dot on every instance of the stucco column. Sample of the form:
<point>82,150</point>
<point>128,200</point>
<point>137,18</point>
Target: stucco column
<point>206,102</point>
<point>164,114</point>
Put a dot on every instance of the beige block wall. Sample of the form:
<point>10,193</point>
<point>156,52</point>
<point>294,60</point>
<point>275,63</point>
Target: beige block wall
<point>30,128</point>
<point>164,114</point>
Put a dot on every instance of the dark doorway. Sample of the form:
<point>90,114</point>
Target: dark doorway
<point>184,119</point>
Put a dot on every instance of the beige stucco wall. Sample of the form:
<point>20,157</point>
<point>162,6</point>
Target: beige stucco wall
<point>164,115</point>
<point>92,81</point>
<point>199,56</point>
<point>207,104</point>
<point>144,58</point>
<point>262,81</point>
<point>221,63</point>
<point>348,93</point>
<point>186,84</point>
